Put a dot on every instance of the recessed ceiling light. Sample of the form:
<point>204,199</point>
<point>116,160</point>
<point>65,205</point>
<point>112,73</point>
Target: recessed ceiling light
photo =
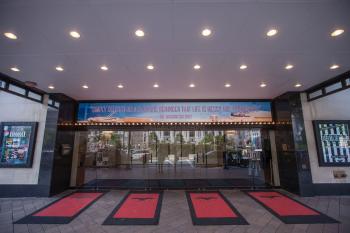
<point>139,33</point>
<point>227,85</point>
<point>206,32</point>
<point>196,67</point>
<point>243,67</point>
<point>59,68</point>
<point>10,35</point>
<point>192,85</point>
<point>105,68</point>
<point>263,84</point>
<point>288,67</point>
<point>120,86</point>
<point>333,67</point>
<point>337,32</point>
<point>51,87</point>
<point>272,32</point>
<point>15,69</point>
<point>85,86</point>
<point>156,85</point>
<point>297,85</point>
<point>74,34</point>
<point>150,67</point>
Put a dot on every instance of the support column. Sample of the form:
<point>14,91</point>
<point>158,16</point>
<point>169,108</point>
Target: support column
<point>291,145</point>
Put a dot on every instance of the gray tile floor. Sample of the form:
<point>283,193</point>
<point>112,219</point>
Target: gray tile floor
<point>175,216</point>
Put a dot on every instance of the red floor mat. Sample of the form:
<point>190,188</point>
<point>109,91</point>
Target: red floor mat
<point>287,209</point>
<point>137,208</point>
<point>63,210</point>
<point>212,208</point>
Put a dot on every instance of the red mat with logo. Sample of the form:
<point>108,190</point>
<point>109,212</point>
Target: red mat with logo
<point>137,208</point>
<point>212,208</point>
<point>288,210</point>
<point>63,210</point>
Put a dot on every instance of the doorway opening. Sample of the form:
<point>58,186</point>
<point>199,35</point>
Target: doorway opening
<point>173,159</point>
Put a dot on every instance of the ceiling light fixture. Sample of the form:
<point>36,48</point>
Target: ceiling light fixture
<point>120,86</point>
<point>196,67</point>
<point>337,32</point>
<point>139,33</point>
<point>243,67</point>
<point>297,85</point>
<point>74,34</point>
<point>51,87</point>
<point>289,66</point>
<point>272,32</point>
<point>156,85</point>
<point>206,32</point>
<point>150,67</point>
<point>10,35</point>
<point>15,69</point>
<point>85,86</point>
<point>263,85</point>
<point>104,67</point>
<point>59,68</point>
<point>192,85</point>
<point>227,85</point>
<point>30,84</point>
<point>334,66</point>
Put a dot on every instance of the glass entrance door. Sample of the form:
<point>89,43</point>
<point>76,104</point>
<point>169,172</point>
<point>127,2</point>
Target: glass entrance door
<point>244,156</point>
<point>217,158</point>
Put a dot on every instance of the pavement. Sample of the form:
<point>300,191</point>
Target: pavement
<point>175,215</point>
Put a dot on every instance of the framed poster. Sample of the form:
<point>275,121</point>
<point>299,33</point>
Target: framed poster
<point>333,142</point>
<point>17,141</point>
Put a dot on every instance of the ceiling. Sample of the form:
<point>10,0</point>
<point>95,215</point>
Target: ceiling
<point>173,44</point>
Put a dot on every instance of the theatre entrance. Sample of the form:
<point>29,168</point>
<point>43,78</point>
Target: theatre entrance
<point>174,159</point>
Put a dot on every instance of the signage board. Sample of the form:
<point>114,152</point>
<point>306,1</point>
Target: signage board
<point>143,112</point>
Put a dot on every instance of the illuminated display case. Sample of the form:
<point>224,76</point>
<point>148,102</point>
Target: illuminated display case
<point>17,142</point>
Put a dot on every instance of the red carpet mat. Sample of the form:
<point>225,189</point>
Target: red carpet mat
<point>137,208</point>
<point>212,208</point>
<point>288,210</point>
<point>63,210</point>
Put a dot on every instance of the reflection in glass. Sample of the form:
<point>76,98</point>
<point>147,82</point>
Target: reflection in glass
<point>233,154</point>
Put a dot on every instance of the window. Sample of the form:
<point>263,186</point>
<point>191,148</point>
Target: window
<point>333,87</point>
<point>34,96</point>
<point>347,82</point>
<point>17,89</point>
<point>2,84</point>
<point>338,83</point>
<point>315,94</point>
<point>166,134</point>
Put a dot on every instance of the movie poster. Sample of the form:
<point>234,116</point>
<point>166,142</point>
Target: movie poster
<point>16,144</point>
<point>333,142</point>
<point>143,112</point>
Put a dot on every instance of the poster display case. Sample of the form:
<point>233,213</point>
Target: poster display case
<point>333,142</point>
<point>17,142</point>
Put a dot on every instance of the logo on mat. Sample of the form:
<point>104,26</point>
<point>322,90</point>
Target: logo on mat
<point>206,198</point>
<point>142,198</point>
<point>271,196</point>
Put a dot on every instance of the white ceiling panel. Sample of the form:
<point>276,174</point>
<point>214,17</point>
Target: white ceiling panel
<point>173,44</point>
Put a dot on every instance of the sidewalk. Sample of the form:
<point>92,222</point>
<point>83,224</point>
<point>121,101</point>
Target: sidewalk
<point>175,215</point>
